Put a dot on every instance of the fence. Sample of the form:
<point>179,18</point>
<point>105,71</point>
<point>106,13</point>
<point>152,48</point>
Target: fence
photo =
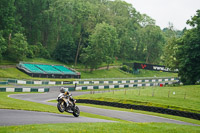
<point>92,81</point>
<point>93,87</point>
<point>24,89</point>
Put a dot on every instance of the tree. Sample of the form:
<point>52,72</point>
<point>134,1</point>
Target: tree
<point>108,36</point>
<point>151,40</point>
<point>7,17</point>
<point>2,45</point>
<point>188,53</point>
<point>65,48</point>
<point>18,48</point>
<point>103,46</point>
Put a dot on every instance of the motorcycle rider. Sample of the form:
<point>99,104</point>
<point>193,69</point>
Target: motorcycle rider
<point>66,93</point>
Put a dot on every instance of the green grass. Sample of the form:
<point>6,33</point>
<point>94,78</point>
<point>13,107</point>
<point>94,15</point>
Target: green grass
<point>10,103</point>
<point>120,126</point>
<point>144,112</point>
<point>111,73</point>
<point>139,111</point>
<point>117,73</point>
<point>184,98</point>
<point>14,73</point>
<point>103,128</point>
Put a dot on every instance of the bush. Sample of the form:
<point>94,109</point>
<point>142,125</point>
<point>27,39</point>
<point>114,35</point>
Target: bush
<point>37,51</point>
<point>18,48</point>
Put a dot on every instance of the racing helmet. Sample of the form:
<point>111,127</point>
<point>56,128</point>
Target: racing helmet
<point>62,90</point>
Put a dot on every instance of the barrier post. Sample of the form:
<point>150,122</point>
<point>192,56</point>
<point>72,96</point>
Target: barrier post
<point>185,96</point>
<point>168,93</point>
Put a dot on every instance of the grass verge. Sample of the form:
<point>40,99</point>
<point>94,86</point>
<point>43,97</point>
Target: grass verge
<point>183,98</point>
<point>144,112</point>
<point>13,72</point>
<point>121,126</point>
<point>103,128</point>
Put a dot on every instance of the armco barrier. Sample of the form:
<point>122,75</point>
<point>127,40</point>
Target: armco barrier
<point>117,86</point>
<point>15,81</point>
<point>144,108</point>
<point>3,82</point>
<point>125,81</point>
<point>24,89</point>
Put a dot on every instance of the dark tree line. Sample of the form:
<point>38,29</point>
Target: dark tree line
<point>62,29</point>
<point>92,32</point>
<point>184,52</point>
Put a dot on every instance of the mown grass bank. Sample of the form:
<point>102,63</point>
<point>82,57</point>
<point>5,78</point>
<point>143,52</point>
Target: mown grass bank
<point>183,98</point>
<point>14,73</point>
<point>103,128</point>
<point>119,127</point>
<point>8,70</point>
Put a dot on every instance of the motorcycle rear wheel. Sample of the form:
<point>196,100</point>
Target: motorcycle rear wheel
<point>61,106</point>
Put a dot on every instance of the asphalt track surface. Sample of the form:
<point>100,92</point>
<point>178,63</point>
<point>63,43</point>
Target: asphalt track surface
<point>21,117</point>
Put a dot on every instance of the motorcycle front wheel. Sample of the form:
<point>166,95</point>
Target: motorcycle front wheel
<point>61,106</point>
<point>76,111</point>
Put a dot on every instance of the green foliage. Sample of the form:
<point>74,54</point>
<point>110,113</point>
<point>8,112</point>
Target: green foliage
<point>103,46</point>
<point>124,68</point>
<point>2,45</point>
<point>65,50</point>
<point>7,18</point>
<point>153,40</point>
<point>170,52</point>
<point>127,69</point>
<point>37,50</point>
<point>188,55</point>
<point>18,48</point>
<point>183,53</point>
<point>64,29</point>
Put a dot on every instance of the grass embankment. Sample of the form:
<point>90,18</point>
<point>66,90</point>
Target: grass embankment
<point>121,126</point>
<point>13,72</point>
<point>117,73</point>
<point>103,128</point>
<point>184,98</point>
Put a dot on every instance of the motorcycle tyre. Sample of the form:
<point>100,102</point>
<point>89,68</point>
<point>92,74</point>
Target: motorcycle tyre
<point>75,111</point>
<point>59,108</point>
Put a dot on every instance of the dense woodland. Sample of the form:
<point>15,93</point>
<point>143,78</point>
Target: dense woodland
<point>90,32</point>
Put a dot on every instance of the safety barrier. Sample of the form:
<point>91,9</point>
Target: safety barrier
<point>144,108</point>
<point>3,82</point>
<point>125,81</point>
<point>10,89</point>
<point>153,80</point>
<point>15,81</point>
<point>118,86</point>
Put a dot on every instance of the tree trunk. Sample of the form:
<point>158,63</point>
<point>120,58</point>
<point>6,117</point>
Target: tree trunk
<point>91,69</point>
<point>108,66</point>
<point>147,58</point>
<point>78,49</point>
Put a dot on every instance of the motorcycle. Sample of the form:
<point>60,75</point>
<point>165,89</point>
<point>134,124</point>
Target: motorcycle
<point>65,104</point>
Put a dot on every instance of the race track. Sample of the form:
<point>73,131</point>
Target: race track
<point>22,117</point>
<point>129,116</point>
